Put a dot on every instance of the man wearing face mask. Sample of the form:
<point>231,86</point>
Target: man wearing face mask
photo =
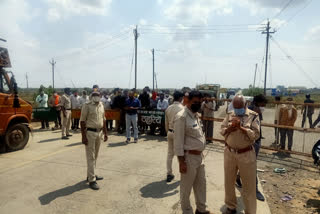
<point>240,128</point>
<point>257,105</point>
<point>132,105</point>
<point>287,117</point>
<point>54,103</point>
<point>42,100</point>
<point>93,127</point>
<point>169,125</point>
<point>189,143</point>
<point>83,99</point>
<point>65,104</point>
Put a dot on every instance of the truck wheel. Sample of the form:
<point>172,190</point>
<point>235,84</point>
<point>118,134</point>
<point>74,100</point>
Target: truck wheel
<point>17,137</point>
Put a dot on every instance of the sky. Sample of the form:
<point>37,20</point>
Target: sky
<point>195,42</point>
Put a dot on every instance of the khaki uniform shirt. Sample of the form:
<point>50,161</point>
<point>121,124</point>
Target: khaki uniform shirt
<point>237,139</point>
<point>65,102</point>
<point>171,113</point>
<point>93,114</point>
<point>188,134</point>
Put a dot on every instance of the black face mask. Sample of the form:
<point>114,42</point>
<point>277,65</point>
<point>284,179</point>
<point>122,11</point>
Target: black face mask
<point>195,107</point>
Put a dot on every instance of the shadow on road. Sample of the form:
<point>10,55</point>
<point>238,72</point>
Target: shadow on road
<point>74,144</point>
<point>49,140</point>
<point>159,189</point>
<point>51,196</point>
<point>117,144</point>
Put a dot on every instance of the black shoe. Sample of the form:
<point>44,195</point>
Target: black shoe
<point>238,183</point>
<point>230,211</point>
<point>65,138</point>
<point>98,178</point>
<point>260,197</point>
<point>93,185</point>
<point>69,135</point>
<point>170,178</point>
<point>205,212</point>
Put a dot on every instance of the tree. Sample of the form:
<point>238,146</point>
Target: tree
<point>252,91</point>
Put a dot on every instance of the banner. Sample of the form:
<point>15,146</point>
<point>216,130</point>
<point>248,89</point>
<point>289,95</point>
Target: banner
<point>153,117</point>
<point>49,114</point>
<point>110,114</point>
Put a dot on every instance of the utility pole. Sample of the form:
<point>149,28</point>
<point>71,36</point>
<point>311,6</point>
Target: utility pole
<point>27,80</point>
<point>52,64</point>
<point>152,68</point>
<point>268,32</point>
<point>255,74</point>
<point>136,35</point>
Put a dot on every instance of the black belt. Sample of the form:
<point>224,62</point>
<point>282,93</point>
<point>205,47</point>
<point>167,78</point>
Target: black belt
<point>68,109</point>
<point>171,130</point>
<point>93,130</point>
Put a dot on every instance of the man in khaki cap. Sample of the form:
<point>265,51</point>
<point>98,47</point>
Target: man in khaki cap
<point>65,104</point>
<point>241,128</point>
<point>93,126</point>
<point>189,143</point>
<point>170,115</point>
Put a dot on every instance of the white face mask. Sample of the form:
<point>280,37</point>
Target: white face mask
<point>96,99</point>
<point>261,109</point>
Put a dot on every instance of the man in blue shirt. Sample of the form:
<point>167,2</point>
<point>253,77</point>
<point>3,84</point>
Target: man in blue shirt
<point>132,105</point>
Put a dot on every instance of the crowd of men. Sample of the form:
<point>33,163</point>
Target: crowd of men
<point>187,135</point>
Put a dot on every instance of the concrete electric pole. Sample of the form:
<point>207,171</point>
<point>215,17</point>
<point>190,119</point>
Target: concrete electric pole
<point>255,74</point>
<point>136,35</point>
<point>152,68</point>
<point>52,64</point>
<point>268,32</point>
<point>27,80</point>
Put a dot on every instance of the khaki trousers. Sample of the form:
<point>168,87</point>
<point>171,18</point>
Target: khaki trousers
<point>247,165</point>
<point>92,150</point>
<point>66,122</point>
<point>170,153</point>
<point>194,178</point>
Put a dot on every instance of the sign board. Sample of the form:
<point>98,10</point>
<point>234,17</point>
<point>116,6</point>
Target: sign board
<point>4,58</point>
<point>153,117</point>
<point>49,114</point>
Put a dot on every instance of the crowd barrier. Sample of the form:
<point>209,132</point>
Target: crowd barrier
<point>156,118</point>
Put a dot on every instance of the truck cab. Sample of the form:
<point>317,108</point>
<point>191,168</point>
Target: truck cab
<point>15,113</point>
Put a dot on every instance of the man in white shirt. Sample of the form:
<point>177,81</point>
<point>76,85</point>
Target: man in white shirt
<point>106,101</point>
<point>75,104</point>
<point>162,103</point>
<point>83,99</point>
<point>42,101</point>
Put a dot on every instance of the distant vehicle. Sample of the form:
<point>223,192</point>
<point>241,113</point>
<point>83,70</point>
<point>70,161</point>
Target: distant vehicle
<point>213,90</point>
<point>15,113</point>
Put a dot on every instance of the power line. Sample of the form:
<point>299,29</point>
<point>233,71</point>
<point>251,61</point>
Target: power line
<point>294,62</point>
<point>283,9</point>
<point>295,14</point>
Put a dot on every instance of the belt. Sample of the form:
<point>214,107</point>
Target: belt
<point>239,151</point>
<point>93,130</point>
<point>170,130</point>
<point>193,152</point>
<point>68,109</point>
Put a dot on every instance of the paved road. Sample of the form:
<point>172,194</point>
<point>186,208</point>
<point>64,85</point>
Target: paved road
<point>48,177</point>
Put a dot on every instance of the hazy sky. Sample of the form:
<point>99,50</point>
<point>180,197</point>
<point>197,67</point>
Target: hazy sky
<point>195,41</point>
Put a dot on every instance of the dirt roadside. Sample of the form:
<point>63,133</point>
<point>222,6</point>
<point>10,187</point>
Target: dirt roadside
<point>300,181</point>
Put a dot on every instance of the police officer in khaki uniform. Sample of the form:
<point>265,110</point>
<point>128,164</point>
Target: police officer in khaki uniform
<point>189,143</point>
<point>65,104</point>
<point>170,115</point>
<point>93,127</point>
<point>241,128</point>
